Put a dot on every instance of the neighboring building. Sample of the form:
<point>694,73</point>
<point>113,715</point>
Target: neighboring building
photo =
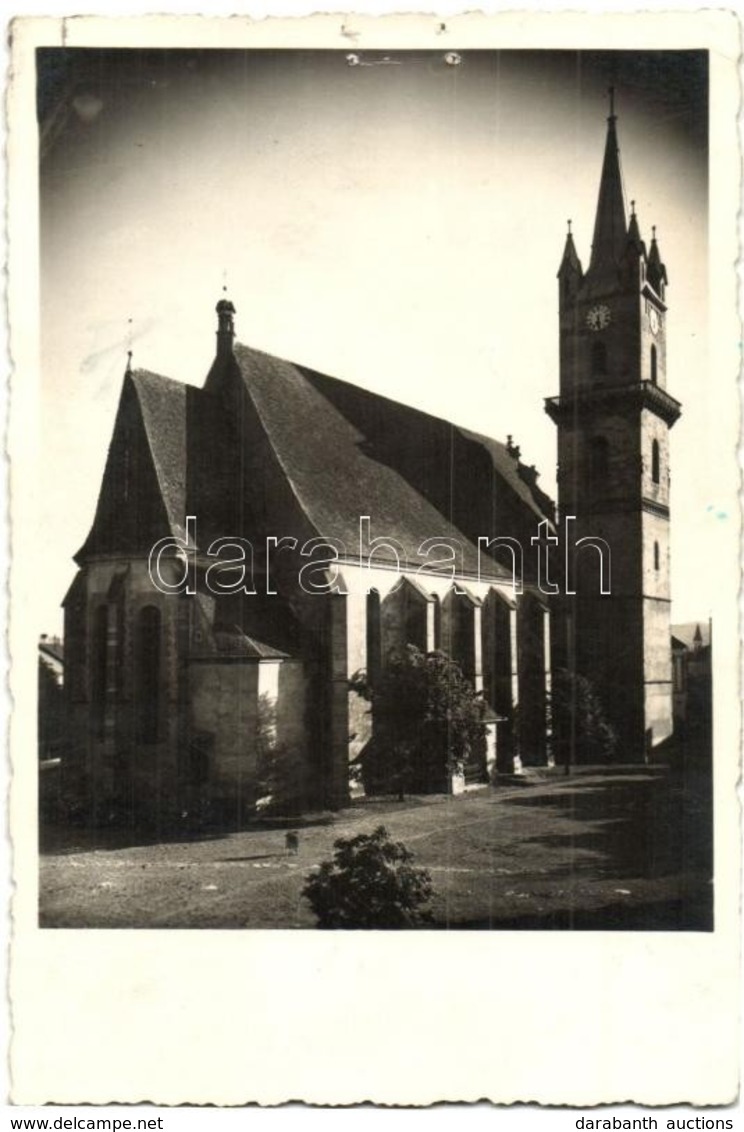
<point>51,700</point>
<point>613,416</point>
<point>693,680</point>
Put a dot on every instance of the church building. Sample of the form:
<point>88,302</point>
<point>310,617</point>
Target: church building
<point>262,541</point>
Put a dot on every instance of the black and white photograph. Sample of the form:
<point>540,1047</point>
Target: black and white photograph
<point>378,612</point>
<point>383,489</point>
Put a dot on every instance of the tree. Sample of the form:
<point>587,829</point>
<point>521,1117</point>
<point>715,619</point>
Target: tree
<point>428,723</point>
<point>370,882</point>
<point>281,770</point>
<point>581,731</point>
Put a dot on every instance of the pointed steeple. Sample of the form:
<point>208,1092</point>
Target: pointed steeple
<point>656,272</point>
<point>634,232</point>
<point>610,231</point>
<point>570,264</point>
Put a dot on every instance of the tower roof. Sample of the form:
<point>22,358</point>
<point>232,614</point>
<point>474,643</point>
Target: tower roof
<point>634,232</point>
<point>570,261</point>
<point>610,229</point>
<point>656,270</point>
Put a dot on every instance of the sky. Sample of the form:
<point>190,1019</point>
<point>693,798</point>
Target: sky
<point>398,223</point>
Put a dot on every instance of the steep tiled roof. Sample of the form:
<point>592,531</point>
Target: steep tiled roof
<point>390,425</point>
<point>336,475</point>
<point>163,405</point>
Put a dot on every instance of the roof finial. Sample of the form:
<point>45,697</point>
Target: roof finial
<point>611,92</point>
<point>569,227</point>
<point>632,208</point>
<point>653,231</point>
<point>129,345</point>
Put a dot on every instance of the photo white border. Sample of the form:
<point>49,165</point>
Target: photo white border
<point>230,1017</point>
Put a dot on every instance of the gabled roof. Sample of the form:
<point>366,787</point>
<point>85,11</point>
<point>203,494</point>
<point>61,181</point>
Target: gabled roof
<point>687,632</point>
<point>336,472</point>
<point>163,405</point>
<point>143,492</point>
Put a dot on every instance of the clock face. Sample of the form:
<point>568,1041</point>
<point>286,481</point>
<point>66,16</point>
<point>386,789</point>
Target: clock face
<point>598,317</point>
<point>653,319</point>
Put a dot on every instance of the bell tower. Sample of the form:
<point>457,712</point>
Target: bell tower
<point>613,415</point>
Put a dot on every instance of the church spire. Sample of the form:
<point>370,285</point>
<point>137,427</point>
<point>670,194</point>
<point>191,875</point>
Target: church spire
<point>610,230</point>
<point>570,264</point>
<point>656,272</point>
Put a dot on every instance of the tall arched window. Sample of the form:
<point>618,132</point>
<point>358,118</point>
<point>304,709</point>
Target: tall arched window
<point>374,637</point>
<point>655,462</point>
<point>147,674</point>
<point>599,459</point>
<point>99,670</point>
<point>656,556</point>
<point>599,358</point>
<point>653,365</point>
<point>437,622</point>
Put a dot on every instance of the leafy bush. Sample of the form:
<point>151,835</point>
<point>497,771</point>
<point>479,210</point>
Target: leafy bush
<point>578,720</point>
<point>370,883</point>
<point>428,722</point>
<point>281,771</point>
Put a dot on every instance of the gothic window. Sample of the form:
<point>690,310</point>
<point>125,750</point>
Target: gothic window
<point>437,622</point>
<point>461,636</point>
<point>599,358</point>
<point>415,619</point>
<point>655,462</point>
<point>653,365</point>
<point>99,671</point>
<point>656,556</point>
<point>147,674</point>
<point>599,459</point>
<point>374,637</point>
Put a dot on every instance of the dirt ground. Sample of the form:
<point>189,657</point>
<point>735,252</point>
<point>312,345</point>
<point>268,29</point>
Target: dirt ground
<point>621,848</point>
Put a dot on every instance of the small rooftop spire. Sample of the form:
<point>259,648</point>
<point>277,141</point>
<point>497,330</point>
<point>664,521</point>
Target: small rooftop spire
<point>129,346</point>
<point>225,325</point>
<point>611,93</point>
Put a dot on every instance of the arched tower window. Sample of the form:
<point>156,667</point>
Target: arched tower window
<point>374,637</point>
<point>656,556</point>
<point>599,459</point>
<point>599,358</point>
<point>655,462</point>
<point>99,670</point>
<point>654,374</point>
<point>147,674</point>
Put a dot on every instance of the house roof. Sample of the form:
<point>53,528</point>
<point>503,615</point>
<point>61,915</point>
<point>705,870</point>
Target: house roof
<point>335,469</point>
<point>685,633</point>
<point>53,647</point>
